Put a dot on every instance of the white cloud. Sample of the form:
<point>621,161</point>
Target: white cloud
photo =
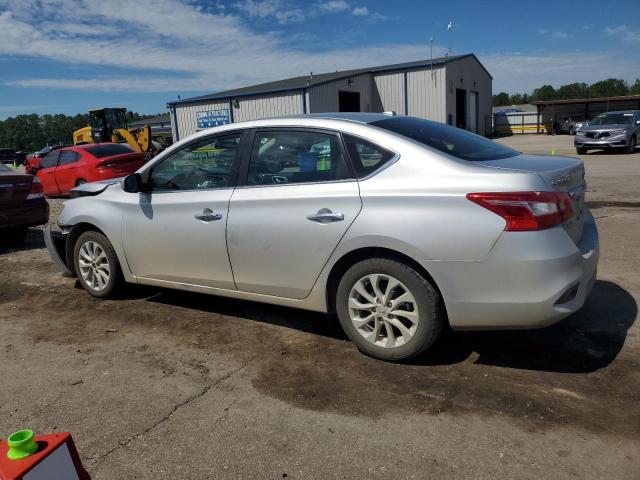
<point>198,49</point>
<point>520,73</point>
<point>554,34</point>
<point>361,11</point>
<point>625,33</point>
<point>333,6</point>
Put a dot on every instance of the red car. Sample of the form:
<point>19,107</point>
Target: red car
<point>63,169</point>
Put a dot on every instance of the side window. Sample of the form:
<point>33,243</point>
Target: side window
<point>205,164</point>
<point>67,157</point>
<point>366,156</point>
<point>50,160</point>
<point>290,156</point>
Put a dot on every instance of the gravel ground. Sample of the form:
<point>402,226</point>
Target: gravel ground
<point>167,384</point>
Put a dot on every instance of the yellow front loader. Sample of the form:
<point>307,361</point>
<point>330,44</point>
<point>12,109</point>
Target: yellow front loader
<point>110,125</point>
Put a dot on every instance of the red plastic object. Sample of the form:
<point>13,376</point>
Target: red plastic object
<point>56,457</point>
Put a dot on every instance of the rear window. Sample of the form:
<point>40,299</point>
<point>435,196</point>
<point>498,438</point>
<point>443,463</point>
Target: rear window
<point>453,141</point>
<point>108,149</point>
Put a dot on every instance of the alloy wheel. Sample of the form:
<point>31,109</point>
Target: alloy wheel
<point>383,310</point>
<point>94,265</point>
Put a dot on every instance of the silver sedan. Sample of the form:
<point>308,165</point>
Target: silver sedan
<point>400,225</point>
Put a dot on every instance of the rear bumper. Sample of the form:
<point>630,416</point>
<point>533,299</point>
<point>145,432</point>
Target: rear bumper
<point>56,243</point>
<point>34,212</point>
<point>522,282</point>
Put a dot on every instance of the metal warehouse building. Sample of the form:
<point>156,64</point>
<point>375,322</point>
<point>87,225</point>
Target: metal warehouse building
<point>454,90</point>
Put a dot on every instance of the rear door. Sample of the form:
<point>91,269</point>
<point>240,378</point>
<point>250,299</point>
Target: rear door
<point>66,174</point>
<point>298,199</point>
<point>46,173</point>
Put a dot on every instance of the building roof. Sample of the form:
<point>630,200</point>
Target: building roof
<point>164,118</point>
<point>305,81</point>
<point>586,100</point>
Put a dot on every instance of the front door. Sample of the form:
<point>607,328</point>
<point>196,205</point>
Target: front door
<point>47,173</point>
<point>299,200</point>
<point>176,231</point>
<point>66,175</point>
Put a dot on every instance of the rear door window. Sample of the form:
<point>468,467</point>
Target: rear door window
<point>67,157</point>
<point>50,160</point>
<point>283,157</point>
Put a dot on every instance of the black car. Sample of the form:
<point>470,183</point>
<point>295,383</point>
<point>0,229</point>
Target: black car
<point>22,205</point>
<point>8,155</point>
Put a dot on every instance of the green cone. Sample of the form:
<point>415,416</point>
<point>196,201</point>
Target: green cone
<point>21,444</point>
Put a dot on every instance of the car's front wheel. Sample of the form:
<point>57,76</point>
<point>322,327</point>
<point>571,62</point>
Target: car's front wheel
<point>97,265</point>
<point>388,309</point>
<point>581,150</point>
<point>631,148</point>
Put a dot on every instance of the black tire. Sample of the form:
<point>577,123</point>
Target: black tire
<point>80,181</point>
<point>12,237</point>
<point>631,148</point>
<point>115,279</point>
<point>431,314</point>
<point>581,150</point>
<point>572,131</point>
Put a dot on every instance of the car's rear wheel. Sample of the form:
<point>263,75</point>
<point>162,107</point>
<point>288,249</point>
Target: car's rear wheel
<point>97,265</point>
<point>14,236</point>
<point>80,181</point>
<point>388,309</point>
<point>581,150</point>
<point>631,148</point>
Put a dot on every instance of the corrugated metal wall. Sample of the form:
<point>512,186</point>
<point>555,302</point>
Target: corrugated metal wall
<point>468,74</point>
<point>389,92</point>
<point>186,116</point>
<point>324,98</point>
<point>427,94</point>
<point>274,105</point>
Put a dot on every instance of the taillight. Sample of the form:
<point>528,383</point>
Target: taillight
<point>36,189</point>
<point>526,210</point>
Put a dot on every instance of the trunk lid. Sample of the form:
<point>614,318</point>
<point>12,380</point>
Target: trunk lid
<point>14,188</point>
<point>559,174</point>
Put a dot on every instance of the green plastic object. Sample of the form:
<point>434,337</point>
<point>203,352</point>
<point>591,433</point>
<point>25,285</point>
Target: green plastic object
<point>21,444</point>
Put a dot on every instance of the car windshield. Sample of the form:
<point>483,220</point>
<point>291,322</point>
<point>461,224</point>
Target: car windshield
<point>613,119</point>
<point>453,141</point>
<point>108,149</point>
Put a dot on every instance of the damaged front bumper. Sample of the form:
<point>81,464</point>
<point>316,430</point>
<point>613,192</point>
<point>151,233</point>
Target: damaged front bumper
<point>56,242</point>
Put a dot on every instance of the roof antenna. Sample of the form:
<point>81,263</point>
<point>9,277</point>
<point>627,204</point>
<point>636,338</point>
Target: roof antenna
<point>449,50</point>
<point>431,57</point>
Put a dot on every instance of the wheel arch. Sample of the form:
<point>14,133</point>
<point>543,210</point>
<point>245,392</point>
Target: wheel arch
<point>75,231</point>
<point>354,256</point>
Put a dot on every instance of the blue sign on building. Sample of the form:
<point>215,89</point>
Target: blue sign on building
<point>213,118</point>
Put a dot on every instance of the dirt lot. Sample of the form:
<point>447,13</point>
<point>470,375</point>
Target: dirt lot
<point>167,384</point>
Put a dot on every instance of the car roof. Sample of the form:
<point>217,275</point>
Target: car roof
<point>620,111</point>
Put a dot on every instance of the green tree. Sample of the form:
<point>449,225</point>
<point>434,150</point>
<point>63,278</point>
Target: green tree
<point>612,87</point>
<point>572,90</point>
<point>545,92</point>
<point>635,88</point>
<point>501,99</point>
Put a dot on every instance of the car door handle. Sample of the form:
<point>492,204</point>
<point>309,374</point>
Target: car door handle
<point>207,215</point>
<point>324,215</point>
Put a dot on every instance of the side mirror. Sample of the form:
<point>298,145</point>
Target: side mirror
<point>133,183</point>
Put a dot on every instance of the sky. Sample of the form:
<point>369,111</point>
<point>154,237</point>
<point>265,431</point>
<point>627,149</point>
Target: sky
<point>67,56</point>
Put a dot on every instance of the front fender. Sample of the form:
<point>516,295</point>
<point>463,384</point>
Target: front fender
<point>101,212</point>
